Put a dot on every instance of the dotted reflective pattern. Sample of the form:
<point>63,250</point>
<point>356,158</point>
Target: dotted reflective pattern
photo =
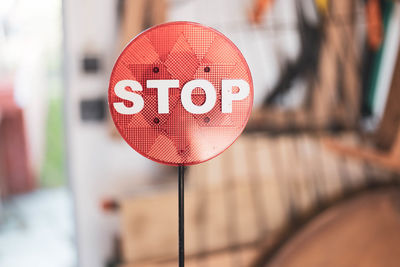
<point>182,51</point>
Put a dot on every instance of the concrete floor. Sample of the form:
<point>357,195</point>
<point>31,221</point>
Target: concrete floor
<point>37,229</point>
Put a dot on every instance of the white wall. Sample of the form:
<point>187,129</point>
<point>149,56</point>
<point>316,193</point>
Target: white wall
<point>98,165</point>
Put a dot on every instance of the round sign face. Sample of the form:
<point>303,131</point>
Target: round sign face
<point>180,93</point>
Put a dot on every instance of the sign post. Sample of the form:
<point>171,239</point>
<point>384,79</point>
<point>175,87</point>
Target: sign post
<point>180,94</point>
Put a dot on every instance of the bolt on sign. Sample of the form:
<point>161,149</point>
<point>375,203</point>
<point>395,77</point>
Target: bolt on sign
<point>180,93</point>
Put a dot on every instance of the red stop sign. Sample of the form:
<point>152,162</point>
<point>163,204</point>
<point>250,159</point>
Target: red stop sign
<point>180,93</point>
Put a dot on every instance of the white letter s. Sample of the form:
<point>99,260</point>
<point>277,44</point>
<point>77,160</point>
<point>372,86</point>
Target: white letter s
<point>121,92</point>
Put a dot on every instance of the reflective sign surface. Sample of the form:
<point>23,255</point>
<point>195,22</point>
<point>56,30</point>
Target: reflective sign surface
<point>180,93</point>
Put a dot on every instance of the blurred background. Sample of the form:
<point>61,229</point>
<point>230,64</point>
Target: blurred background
<point>313,180</point>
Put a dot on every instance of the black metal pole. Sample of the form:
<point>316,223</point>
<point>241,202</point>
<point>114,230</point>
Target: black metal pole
<point>181,203</point>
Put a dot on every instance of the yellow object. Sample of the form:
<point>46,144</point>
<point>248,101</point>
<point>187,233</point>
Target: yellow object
<point>323,6</point>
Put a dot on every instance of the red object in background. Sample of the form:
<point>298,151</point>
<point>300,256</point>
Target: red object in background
<point>374,24</point>
<point>259,9</point>
<point>181,51</point>
<point>15,174</point>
